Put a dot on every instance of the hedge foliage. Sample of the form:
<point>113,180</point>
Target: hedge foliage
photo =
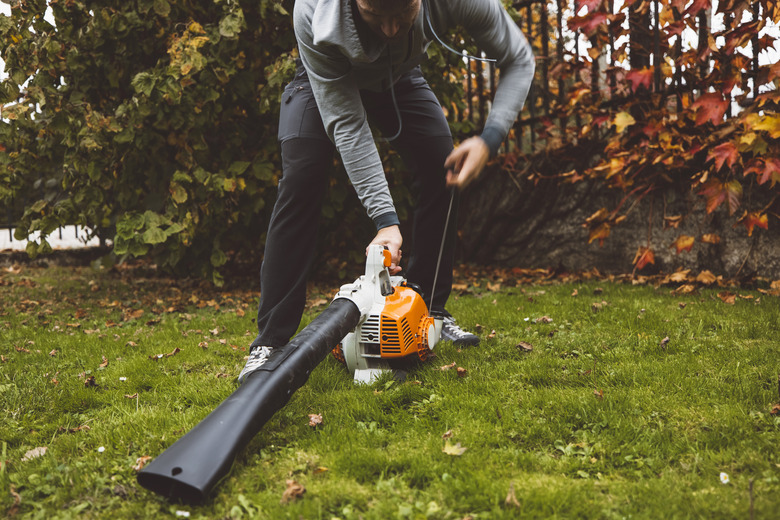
<point>153,122</point>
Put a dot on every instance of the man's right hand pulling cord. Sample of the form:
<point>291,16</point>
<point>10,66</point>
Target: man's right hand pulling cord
<point>466,162</point>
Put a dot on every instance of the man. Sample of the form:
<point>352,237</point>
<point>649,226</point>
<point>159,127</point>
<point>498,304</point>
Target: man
<point>359,63</point>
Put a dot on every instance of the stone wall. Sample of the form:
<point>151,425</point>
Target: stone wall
<point>516,223</point>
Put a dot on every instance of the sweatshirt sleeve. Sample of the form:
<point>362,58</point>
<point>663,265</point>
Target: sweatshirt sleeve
<point>494,32</point>
<point>345,120</point>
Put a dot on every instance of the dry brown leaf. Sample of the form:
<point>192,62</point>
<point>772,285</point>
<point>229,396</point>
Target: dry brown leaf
<point>599,394</point>
<point>104,364</point>
<point>597,306</point>
<point>775,409</point>
<point>710,238</point>
<point>511,499</point>
<point>684,289</point>
<point>17,502</point>
<point>90,382</point>
<point>131,396</point>
<point>462,372</point>
<point>455,450</point>
<point>575,292</point>
<point>492,334</point>
<point>706,277</point>
<point>315,420</point>
<point>680,276</point>
<point>664,342</point>
<point>524,346</point>
<point>543,319</point>
<point>447,434</point>
<point>493,287</point>
<point>294,491</point>
<point>727,297</point>
<point>447,367</point>
<point>34,453</point>
<point>140,462</point>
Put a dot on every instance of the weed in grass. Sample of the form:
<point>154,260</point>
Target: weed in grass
<point>602,417</point>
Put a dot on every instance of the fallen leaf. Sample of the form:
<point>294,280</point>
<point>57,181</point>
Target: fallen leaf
<point>53,353</point>
<point>599,394</point>
<point>462,372</point>
<point>447,434</point>
<point>90,382</point>
<point>706,277</point>
<point>455,450</point>
<point>104,364</point>
<point>17,502</point>
<point>664,342</point>
<point>524,346</point>
<point>710,238</point>
<point>543,319</point>
<point>21,349</point>
<point>133,396</point>
<point>596,306</point>
<point>315,420</point>
<point>493,287</point>
<point>215,331</point>
<point>575,292</point>
<point>511,499</point>
<point>679,276</point>
<point>133,314</point>
<point>294,491</point>
<point>492,334</point>
<point>727,297</point>
<point>140,462</point>
<point>34,453</point>
<point>447,367</point>
<point>684,289</point>
<point>775,409</point>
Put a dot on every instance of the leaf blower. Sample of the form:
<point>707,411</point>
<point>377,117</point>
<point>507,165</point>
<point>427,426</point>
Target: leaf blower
<point>372,323</point>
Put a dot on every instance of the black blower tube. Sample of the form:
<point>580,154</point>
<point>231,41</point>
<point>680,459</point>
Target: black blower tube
<point>193,465</point>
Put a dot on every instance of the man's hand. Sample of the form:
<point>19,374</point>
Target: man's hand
<point>466,162</point>
<point>391,238</point>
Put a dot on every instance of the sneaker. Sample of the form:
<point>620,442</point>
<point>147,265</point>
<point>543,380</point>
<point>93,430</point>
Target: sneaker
<point>450,331</point>
<point>257,358</point>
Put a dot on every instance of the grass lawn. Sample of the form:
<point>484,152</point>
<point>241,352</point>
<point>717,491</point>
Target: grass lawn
<point>622,401</point>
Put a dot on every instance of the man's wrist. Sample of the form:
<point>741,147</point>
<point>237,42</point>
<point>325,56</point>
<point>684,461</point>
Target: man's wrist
<point>493,138</point>
<point>386,220</point>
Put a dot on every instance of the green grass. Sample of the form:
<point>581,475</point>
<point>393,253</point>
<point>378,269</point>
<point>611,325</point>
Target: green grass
<point>598,421</point>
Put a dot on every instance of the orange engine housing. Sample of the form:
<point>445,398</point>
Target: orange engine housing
<point>404,325</point>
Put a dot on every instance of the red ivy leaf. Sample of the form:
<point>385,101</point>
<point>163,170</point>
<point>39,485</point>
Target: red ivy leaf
<point>753,219</point>
<point>765,169</point>
<point>600,233</point>
<point>683,243</point>
<point>724,153</point>
<point>716,192</point>
<point>644,256</point>
<point>640,78</point>
<point>592,5</point>
<point>697,6</point>
<point>588,23</point>
<point>710,107</point>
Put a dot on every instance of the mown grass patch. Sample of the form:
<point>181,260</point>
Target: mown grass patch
<point>631,403</point>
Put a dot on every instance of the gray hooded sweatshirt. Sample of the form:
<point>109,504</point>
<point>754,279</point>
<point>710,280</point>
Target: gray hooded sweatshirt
<point>341,60</point>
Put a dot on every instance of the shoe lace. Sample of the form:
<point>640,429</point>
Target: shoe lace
<point>453,328</point>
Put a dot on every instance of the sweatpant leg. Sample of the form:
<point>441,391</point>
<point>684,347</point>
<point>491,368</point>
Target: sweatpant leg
<point>424,143</point>
<point>307,154</point>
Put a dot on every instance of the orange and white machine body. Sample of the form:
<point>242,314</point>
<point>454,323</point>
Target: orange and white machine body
<point>394,321</point>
